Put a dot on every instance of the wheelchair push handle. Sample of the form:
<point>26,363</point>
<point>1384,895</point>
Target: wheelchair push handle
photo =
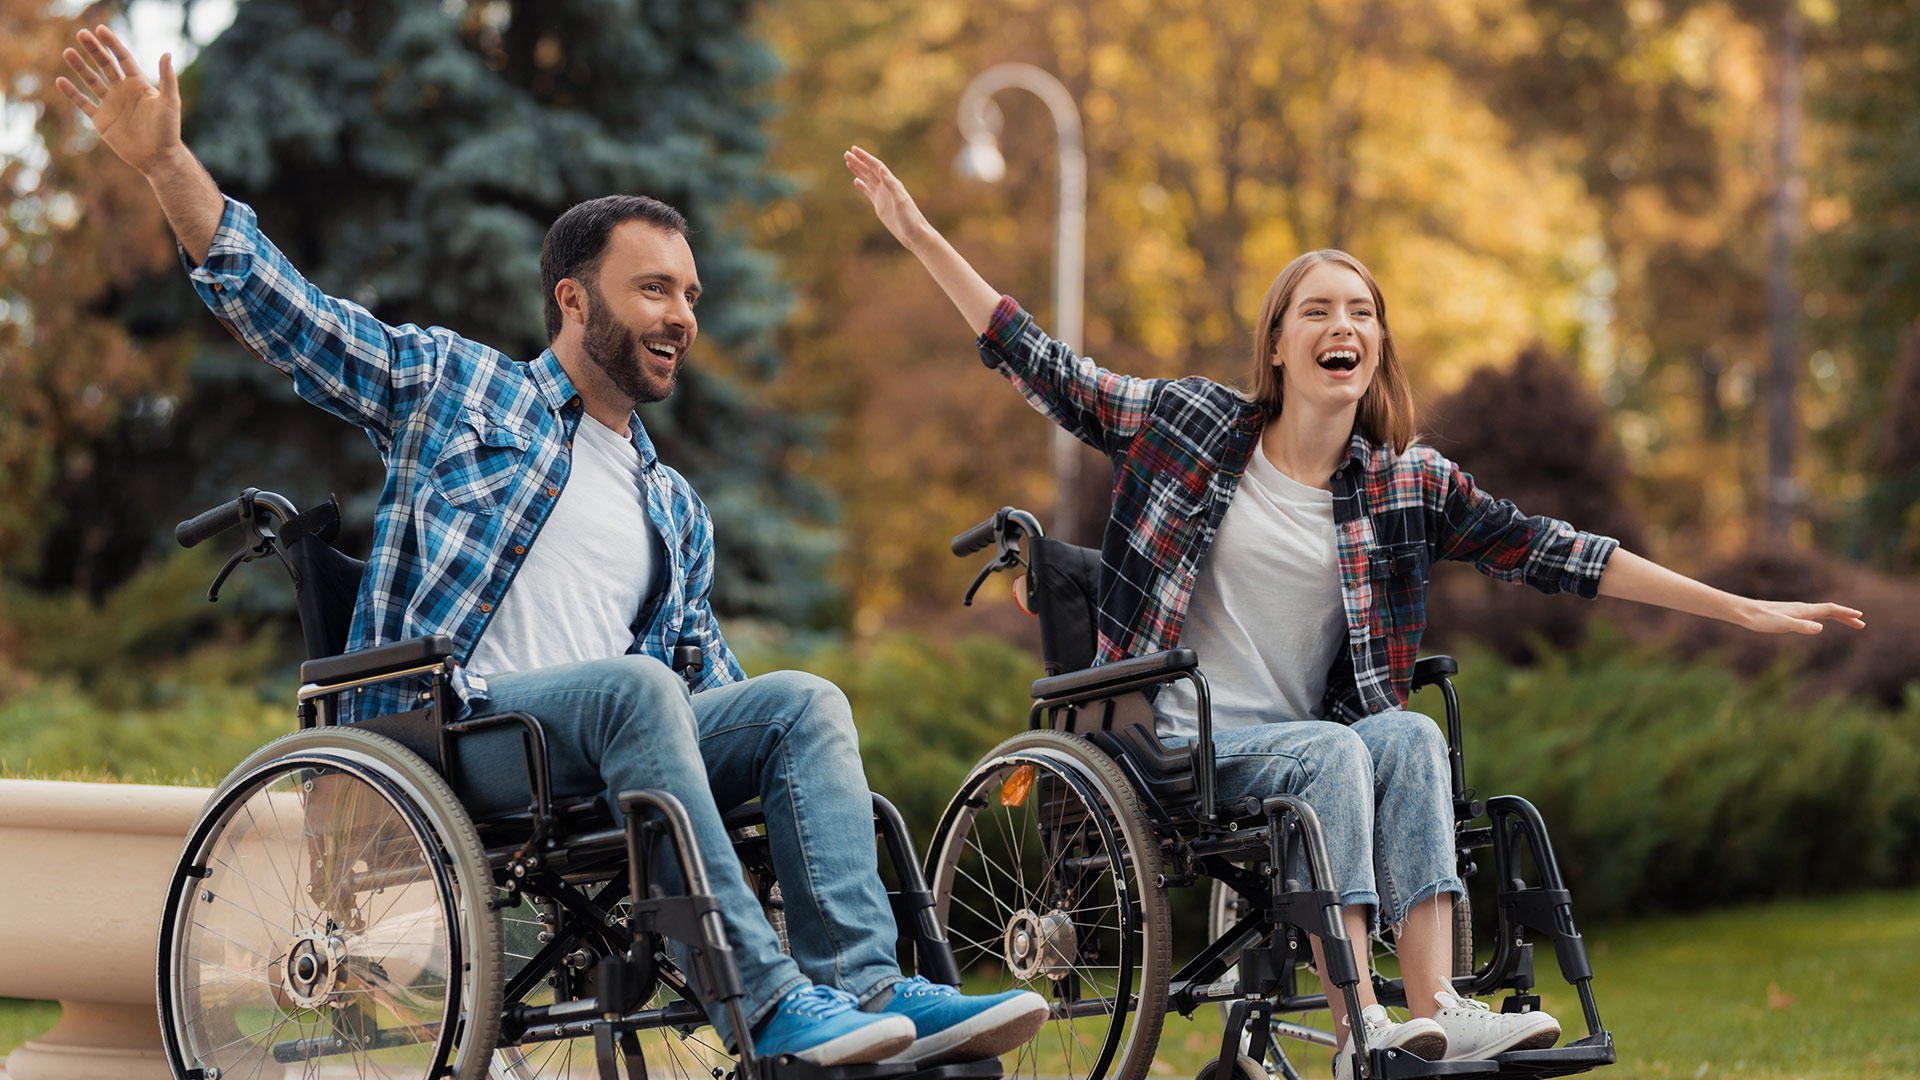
<point>1003,529</point>
<point>211,523</point>
<point>977,537</point>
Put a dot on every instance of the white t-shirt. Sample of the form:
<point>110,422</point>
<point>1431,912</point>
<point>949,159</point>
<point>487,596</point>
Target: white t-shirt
<point>1266,617</point>
<point>593,564</point>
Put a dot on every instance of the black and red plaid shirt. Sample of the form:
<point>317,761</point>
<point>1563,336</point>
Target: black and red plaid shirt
<point>1179,447</point>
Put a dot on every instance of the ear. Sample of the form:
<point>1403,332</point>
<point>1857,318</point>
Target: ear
<point>571,295</point>
<point>1273,353</point>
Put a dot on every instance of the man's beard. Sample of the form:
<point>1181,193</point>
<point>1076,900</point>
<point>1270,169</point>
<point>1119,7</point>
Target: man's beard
<point>615,349</point>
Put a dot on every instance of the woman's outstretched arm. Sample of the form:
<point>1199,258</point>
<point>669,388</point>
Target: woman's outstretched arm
<point>1631,577</point>
<point>891,203</point>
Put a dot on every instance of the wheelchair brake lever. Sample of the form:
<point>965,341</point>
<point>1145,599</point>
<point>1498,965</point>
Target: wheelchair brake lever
<point>233,560</point>
<point>1000,563</point>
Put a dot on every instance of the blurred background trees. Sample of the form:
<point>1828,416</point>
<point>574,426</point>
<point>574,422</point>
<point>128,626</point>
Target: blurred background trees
<point>409,156</point>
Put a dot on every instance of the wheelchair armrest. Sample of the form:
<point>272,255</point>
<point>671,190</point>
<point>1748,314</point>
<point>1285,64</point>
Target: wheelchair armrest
<point>371,663</point>
<point>1431,669</point>
<point>1153,667</point>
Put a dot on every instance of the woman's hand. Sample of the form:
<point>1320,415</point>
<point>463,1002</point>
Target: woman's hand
<point>1790,617</point>
<point>891,203</point>
<point>136,119</point>
<point>970,293</point>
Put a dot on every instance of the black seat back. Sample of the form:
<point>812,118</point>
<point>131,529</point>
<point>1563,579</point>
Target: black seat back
<point>327,581</point>
<point>1062,583</point>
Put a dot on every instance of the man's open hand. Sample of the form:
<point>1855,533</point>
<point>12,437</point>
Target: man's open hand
<point>137,120</point>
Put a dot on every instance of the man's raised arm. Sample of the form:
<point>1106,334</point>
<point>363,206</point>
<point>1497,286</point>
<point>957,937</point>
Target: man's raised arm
<point>141,122</point>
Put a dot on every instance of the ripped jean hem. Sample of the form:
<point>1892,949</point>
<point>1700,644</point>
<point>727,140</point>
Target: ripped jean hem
<point>1449,884</point>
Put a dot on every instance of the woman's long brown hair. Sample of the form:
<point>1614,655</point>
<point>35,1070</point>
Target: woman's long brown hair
<point>1386,410</point>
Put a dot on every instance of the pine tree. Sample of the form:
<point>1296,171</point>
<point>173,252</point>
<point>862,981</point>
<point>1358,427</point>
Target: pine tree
<point>410,154</point>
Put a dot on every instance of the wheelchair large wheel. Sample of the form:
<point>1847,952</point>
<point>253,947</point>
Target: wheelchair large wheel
<point>330,916</point>
<point>1047,876</point>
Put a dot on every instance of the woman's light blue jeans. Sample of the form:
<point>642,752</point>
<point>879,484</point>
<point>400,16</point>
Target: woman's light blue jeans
<point>786,738</point>
<point>1381,789</point>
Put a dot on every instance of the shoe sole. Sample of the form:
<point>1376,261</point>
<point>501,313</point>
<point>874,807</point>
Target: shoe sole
<point>862,1046</point>
<point>988,1034</point>
<point>1431,1045</point>
<point>1540,1038</point>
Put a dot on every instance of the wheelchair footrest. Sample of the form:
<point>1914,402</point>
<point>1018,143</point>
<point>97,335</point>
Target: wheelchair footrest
<point>1576,1057</point>
<point>1400,1065</point>
<point>787,1067</point>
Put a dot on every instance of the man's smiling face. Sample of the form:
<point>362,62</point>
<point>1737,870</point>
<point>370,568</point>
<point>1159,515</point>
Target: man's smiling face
<point>1329,345</point>
<point>640,324</point>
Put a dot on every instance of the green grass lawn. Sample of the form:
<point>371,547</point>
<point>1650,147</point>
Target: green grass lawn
<point>1813,989</point>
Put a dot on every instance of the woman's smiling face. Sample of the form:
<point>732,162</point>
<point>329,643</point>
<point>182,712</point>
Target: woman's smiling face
<point>1329,344</point>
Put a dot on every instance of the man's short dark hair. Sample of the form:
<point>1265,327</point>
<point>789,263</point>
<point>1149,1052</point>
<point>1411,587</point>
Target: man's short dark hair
<point>575,242</point>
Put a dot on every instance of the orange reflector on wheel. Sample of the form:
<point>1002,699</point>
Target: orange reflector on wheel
<point>1015,790</point>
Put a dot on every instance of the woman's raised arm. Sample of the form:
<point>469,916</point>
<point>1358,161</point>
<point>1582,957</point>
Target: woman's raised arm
<point>895,209</point>
<point>1631,577</point>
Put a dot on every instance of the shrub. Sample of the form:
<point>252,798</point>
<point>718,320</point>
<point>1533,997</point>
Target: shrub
<point>1534,433</point>
<point>926,709</point>
<point>1674,785</point>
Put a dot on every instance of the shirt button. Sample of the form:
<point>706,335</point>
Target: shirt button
<point>519,549</point>
<point>553,491</point>
<point>574,401</point>
<point>486,607</point>
<point>217,287</point>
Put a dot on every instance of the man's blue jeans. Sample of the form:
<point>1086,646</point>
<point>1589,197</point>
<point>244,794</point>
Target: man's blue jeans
<point>1380,788</point>
<point>785,738</point>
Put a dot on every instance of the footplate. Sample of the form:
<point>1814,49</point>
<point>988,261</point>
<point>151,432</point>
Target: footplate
<point>788,1067</point>
<point>1576,1057</point>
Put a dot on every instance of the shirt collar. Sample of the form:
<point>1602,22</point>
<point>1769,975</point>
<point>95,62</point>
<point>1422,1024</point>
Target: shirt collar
<point>550,380</point>
<point>1359,448</point>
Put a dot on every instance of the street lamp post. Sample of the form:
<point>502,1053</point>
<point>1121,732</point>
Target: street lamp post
<point>980,121</point>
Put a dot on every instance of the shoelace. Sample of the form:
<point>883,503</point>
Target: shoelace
<point>1462,1003</point>
<point>814,1002</point>
<point>920,986</point>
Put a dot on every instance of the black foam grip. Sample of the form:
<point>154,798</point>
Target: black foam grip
<point>975,538</point>
<point>209,524</point>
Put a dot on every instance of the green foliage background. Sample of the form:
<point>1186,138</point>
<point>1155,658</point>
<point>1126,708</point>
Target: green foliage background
<point>1667,785</point>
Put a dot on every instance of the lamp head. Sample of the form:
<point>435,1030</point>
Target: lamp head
<point>980,159</point>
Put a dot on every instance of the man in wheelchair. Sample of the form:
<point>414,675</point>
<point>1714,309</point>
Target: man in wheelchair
<point>527,518</point>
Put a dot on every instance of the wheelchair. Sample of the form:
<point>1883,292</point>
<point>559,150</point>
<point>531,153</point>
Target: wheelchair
<point>337,911</point>
<point>1052,863</point>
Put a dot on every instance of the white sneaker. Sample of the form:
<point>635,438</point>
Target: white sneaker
<point>1418,1036</point>
<point>1474,1031</point>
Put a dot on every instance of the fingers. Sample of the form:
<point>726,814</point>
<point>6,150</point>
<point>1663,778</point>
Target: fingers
<point>80,100</point>
<point>86,71</point>
<point>120,52</point>
<point>1842,614</point>
<point>101,56</point>
<point>169,82</point>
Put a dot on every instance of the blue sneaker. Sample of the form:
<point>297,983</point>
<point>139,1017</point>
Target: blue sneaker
<point>825,1026</point>
<point>952,1026</point>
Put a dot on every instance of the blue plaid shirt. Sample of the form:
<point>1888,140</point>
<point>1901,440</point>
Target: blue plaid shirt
<point>477,447</point>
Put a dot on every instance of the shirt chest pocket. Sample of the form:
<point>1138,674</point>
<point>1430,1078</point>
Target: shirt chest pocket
<point>1174,517</point>
<point>478,463</point>
<point>1399,573</point>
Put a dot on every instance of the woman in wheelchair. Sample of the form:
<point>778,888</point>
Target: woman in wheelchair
<point>1284,534</point>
